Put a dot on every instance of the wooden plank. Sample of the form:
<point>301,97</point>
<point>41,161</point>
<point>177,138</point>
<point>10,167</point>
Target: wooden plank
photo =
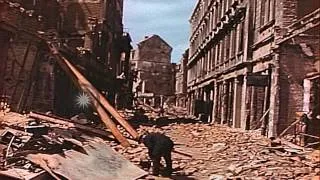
<point>289,127</point>
<point>182,153</point>
<point>101,99</point>
<point>43,164</point>
<point>66,122</point>
<point>308,135</point>
<point>83,84</point>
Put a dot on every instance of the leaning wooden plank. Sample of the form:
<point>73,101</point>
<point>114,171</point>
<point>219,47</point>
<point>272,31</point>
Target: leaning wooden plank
<point>289,127</point>
<point>104,102</point>
<point>22,174</point>
<point>308,135</point>
<point>95,93</point>
<point>291,145</point>
<point>107,120</point>
<point>67,122</point>
<point>80,82</point>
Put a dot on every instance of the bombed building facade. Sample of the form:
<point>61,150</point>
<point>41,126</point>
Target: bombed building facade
<point>89,33</point>
<point>151,61</point>
<point>254,64</point>
<point>20,54</point>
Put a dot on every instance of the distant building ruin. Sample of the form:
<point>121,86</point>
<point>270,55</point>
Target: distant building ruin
<point>151,60</point>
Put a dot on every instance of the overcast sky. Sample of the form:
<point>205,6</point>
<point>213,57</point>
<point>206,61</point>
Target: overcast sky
<point>167,18</point>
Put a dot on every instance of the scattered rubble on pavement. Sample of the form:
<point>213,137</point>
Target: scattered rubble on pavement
<point>31,148</point>
<point>220,152</point>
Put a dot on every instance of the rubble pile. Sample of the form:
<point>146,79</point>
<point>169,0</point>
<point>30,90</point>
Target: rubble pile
<point>152,113</point>
<point>44,147</point>
<point>33,147</point>
<point>178,111</point>
<point>219,152</point>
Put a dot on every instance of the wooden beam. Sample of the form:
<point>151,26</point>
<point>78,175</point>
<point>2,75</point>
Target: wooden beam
<point>182,153</point>
<point>19,76</point>
<point>289,127</point>
<point>83,84</point>
<point>308,135</point>
<point>101,99</point>
<point>67,122</point>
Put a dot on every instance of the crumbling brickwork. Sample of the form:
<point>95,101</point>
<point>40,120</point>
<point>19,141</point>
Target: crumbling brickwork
<point>18,26</point>
<point>27,79</point>
<point>295,64</point>
<point>151,60</point>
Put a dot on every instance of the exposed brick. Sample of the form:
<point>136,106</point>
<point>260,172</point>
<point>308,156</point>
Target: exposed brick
<point>295,65</point>
<point>152,60</point>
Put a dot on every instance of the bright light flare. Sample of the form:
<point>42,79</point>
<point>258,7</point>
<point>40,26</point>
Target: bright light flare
<point>83,100</point>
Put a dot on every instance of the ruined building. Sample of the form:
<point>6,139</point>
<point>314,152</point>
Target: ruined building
<point>88,33</point>
<point>151,61</point>
<point>254,64</point>
<point>181,80</point>
<point>22,59</point>
<point>92,36</point>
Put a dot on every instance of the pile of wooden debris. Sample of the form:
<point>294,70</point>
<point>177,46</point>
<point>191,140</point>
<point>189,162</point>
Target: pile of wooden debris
<point>39,146</point>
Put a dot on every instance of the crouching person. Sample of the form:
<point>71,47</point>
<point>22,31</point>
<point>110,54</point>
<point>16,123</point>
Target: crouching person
<point>158,146</point>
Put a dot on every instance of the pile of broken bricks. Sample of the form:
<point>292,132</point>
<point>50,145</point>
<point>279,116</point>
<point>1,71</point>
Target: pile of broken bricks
<point>220,152</point>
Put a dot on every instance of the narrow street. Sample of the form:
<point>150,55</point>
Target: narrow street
<point>202,150</point>
<point>220,152</point>
<point>151,89</point>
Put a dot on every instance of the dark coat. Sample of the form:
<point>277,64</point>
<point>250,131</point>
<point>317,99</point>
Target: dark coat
<point>158,144</point>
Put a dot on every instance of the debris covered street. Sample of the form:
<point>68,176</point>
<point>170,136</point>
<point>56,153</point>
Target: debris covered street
<point>219,152</point>
<point>151,90</point>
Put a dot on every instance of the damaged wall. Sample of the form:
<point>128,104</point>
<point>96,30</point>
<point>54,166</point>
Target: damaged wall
<point>28,76</point>
<point>31,86</point>
<point>294,65</point>
<point>19,67</point>
<point>152,61</point>
<point>20,53</point>
<point>4,45</point>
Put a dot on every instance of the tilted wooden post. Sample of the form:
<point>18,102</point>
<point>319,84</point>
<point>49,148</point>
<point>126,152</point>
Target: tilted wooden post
<point>83,83</point>
<point>101,99</point>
